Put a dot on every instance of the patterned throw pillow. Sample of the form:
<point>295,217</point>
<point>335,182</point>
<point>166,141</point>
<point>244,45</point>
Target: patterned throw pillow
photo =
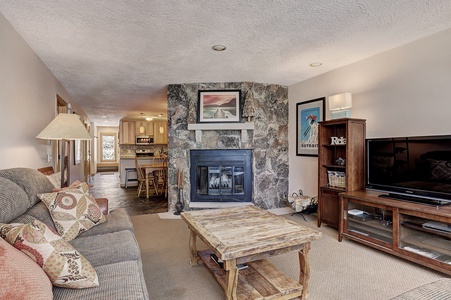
<point>73,211</point>
<point>64,266</point>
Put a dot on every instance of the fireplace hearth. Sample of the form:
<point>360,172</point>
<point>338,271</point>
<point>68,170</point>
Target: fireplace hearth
<point>221,175</point>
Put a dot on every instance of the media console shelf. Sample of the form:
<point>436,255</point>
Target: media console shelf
<point>416,232</point>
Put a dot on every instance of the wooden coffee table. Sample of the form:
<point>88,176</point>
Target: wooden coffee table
<point>248,235</point>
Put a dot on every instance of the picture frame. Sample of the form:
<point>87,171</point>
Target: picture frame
<point>308,114</point>
<point>219,106</point>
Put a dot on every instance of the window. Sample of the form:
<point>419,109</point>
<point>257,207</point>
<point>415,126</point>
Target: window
<point>108,146</point>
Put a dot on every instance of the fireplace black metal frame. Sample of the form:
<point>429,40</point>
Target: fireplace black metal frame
<point>221,158</point>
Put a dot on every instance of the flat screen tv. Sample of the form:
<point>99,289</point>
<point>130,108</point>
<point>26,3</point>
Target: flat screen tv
<point>410,168</point>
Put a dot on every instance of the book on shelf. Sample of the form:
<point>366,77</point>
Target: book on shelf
<point>356,212</point>
<point>220,263</point>
<point>359,215</point>
<point>434,225</point>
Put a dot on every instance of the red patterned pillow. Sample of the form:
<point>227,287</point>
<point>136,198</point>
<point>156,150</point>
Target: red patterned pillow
<point>64,265</point>
<point>73,210</point>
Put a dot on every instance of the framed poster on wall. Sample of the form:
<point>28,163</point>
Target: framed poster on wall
<point>308,114</point>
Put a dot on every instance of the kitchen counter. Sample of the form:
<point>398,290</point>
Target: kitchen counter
<point>129,162</point>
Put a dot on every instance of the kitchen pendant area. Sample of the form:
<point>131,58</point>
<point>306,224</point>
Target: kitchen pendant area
<point>141,140</point>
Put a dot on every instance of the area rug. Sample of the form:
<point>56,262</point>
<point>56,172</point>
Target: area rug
<point>339,270</point>
<point>438,290</point>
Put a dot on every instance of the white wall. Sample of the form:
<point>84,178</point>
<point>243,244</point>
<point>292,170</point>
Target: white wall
<point>401,92</point>
<point>28,103</point>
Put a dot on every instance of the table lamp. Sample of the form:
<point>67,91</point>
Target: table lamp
<point>340,105</point>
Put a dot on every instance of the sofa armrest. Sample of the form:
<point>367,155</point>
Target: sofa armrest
<point>46,170</point>
<point>103,205</point>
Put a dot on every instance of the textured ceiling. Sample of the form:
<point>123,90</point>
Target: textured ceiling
<point>116,57</point>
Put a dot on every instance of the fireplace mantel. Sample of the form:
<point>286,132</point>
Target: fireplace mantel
<point>244,127</point>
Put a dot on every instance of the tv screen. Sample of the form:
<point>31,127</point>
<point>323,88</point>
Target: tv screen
<point>413,168</point>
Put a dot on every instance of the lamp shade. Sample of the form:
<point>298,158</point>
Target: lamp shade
<point>65,127</point>
<point>340,101</point>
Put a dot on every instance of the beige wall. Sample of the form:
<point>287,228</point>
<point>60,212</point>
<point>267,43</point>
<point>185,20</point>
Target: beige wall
<point>28,103</point>
<point>401,92</point>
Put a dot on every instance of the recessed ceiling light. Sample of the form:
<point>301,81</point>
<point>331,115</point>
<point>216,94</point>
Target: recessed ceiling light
<point>160,115</point>
<point>219,47</point>
<point>149,119</point>
<point>316,64</point>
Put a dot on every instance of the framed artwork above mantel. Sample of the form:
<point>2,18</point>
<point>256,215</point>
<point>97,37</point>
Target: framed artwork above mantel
<point>219,106</point>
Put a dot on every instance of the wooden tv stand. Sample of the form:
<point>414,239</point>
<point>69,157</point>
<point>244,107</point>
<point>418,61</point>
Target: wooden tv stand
<point>416,232</point>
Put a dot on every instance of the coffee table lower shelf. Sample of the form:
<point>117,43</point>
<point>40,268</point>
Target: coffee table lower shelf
<point>261,280</point>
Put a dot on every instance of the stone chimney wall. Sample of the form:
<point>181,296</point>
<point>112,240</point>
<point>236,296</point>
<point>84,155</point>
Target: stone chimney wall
<point>268,140</point>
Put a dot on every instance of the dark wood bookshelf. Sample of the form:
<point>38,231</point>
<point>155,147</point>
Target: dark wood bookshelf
<point>353,152</point>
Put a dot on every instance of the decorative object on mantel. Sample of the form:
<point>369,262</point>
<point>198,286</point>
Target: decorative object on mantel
<point>180,182</point>
<point>308,114</point>
<point>249,108</point>
<point>219,106</point>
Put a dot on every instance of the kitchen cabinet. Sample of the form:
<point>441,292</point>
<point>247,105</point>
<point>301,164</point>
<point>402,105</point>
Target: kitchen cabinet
<point>127,132</point>
<point>149,126</point>
<point>130,129</point>
<point>341,159</point>
<point>160,132</point>
<point>144,128</point>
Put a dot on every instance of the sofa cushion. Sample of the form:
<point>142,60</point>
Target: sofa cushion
<point>24,279</point>
<point>31,181</point>
<point>123,280</point>
<point>38,211</point>
<point>64,265</point>
<point>13,200</point>
<point>117,220</point>
<point>73,211</point>
<point>108,248</point>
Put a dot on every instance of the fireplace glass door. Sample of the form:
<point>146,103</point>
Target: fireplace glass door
<point>221,175</point>
<point>222,180</point>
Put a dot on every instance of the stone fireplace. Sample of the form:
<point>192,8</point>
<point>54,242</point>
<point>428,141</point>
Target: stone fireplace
<point>265,136</point>
<point>221,175</point>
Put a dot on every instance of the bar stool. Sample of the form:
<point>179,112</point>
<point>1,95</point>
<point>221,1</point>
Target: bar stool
<point>127,180</point>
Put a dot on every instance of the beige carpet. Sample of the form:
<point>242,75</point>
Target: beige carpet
<point>345,270</point>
